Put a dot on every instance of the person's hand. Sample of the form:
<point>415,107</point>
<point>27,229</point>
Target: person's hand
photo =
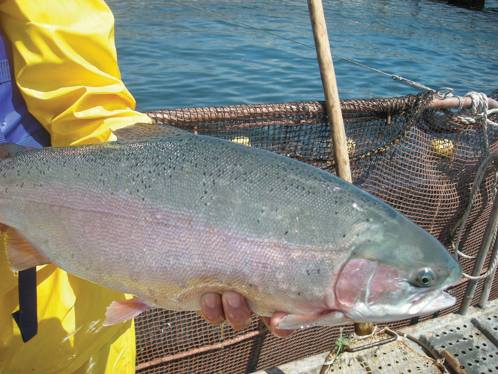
<point>232,307</point>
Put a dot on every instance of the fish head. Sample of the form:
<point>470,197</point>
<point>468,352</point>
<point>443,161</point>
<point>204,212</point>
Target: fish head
<point>396,270</point>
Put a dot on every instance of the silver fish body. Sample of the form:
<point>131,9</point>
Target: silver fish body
<point>166,215</point>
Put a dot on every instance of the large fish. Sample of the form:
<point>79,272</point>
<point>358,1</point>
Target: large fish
<point>167,216</point>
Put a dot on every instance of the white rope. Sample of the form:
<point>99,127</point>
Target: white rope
<point>491,268</point>
<point>479,111</point>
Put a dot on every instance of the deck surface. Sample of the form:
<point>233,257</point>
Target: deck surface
<point>469,343</point>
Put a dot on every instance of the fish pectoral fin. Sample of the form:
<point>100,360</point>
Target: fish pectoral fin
<point>147,132</point>
<point>123,310</point>
<point>21,253</point>
<point>294,321</point>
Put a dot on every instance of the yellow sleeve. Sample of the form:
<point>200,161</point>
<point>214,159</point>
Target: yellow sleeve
<point>66,67</point>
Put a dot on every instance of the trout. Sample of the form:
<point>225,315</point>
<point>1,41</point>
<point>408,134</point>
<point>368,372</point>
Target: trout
<point>166,215</point>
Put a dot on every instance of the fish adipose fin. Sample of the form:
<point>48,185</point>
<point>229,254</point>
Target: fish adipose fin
<point>123,310</point>
<point>146,132</point>
<point>21,253</point>
<point>293,321</point>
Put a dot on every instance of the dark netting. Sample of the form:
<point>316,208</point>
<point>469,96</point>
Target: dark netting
<point>420,161</point>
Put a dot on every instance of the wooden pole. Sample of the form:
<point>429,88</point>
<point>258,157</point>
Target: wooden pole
<point>329,83</point>
<point>333,105</point>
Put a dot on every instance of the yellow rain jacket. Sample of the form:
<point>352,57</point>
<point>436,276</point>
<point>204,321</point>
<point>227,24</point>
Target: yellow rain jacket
<point>66,68</point>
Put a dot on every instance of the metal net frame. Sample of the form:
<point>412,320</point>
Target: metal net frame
<point>422,162</point>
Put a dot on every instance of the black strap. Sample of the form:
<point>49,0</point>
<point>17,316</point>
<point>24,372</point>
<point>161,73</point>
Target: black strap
<point>26,317</point>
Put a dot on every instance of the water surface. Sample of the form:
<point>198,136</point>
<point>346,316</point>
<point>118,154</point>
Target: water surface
<point>175,56</point>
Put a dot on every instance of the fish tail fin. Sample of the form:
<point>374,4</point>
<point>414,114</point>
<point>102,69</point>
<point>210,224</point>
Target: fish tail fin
<point>21,253</point>
<point>9,150</point>
<point>123,310</point>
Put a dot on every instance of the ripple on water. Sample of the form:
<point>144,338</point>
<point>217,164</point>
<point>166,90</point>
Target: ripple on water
<point>173,56</point>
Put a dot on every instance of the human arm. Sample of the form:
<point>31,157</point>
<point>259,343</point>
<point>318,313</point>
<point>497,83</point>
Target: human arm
<point>65,65</point>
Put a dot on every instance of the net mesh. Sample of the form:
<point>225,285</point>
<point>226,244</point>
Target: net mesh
<point>422,162</point>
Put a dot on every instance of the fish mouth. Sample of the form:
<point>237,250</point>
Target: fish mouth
<point>417,305</point>
<point>431,303</point>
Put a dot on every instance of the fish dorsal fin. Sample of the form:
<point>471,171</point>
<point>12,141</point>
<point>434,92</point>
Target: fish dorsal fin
<point>9,150</point>
<point>21,253</point>
<point>147,132</point>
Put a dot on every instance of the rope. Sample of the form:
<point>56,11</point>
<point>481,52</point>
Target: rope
<point>397,78</point>
<point>479,111</point>
<point>490,270</point>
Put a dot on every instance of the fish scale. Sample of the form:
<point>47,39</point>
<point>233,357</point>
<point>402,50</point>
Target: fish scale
<point>167,216</point>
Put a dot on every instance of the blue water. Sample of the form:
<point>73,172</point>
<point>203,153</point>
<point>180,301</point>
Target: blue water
<point>173,56</point>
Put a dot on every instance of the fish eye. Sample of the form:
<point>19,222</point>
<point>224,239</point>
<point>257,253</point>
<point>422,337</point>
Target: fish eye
<point>425,277</point>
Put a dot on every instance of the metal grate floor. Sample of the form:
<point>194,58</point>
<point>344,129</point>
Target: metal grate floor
<point>468,343</point>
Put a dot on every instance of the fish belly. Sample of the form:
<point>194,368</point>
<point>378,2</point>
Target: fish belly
<point>167,257</point>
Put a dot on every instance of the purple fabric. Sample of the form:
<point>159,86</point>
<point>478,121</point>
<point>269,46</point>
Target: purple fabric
<point>17,125</point>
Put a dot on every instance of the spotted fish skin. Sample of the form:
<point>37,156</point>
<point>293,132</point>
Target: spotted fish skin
<point>167,216</point>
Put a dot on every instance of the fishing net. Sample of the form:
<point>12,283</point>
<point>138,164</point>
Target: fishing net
<point>422,162</point>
